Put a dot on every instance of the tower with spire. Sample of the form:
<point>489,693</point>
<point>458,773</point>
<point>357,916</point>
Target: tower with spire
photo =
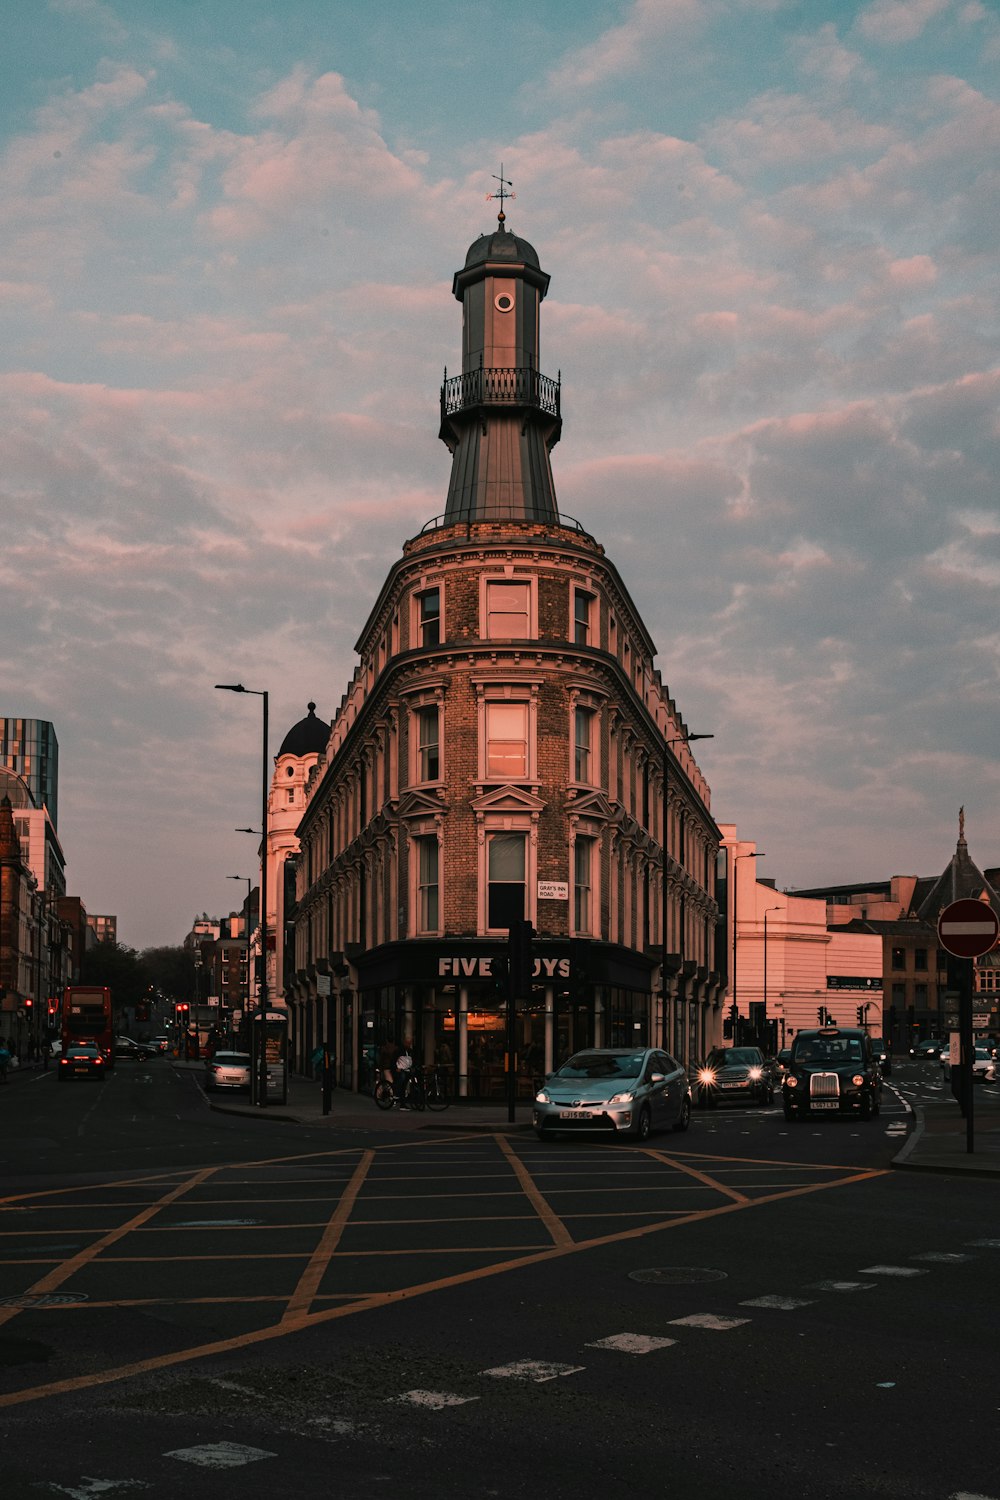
<point>501,417</point>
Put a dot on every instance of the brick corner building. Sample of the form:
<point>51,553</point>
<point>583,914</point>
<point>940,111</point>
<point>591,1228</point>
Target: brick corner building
<point>506,749</point>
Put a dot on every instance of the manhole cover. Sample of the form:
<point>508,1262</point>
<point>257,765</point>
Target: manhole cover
<point>677,1275</point>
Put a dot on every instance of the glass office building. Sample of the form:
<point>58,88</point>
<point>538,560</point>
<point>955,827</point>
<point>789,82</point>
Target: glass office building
<point>30,748</point>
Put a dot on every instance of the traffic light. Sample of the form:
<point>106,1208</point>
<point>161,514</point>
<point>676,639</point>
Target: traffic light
<point>821,1014</point>
<point>500,974</point>
<point>181,1013</point>
<point>861,1015</point>
<point>522,960</point>
<point>29,1006</point>
<point>727,1029</point>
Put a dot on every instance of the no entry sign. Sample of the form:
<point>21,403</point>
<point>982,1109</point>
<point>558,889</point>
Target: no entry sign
<point>968,929</point>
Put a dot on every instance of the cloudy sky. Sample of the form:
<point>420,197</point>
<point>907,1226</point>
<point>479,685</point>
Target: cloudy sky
<point>226,252</point>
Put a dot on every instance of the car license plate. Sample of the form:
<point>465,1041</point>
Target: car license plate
<point>824,1104</point>
<point>730,1085</point>
<point>81,1070</point>
<point>575,1114</point>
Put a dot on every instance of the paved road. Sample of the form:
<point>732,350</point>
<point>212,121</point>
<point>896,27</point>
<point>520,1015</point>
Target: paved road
<point>466,1312</point>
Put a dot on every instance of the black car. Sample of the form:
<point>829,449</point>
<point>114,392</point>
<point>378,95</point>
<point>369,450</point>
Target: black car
<point>884,1056</point>
<point>126,1046</point>
<point>735,1073</point>
<point>833,1070</point>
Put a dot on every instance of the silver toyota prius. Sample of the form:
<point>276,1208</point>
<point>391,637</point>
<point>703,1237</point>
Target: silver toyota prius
<point>614,1091</point>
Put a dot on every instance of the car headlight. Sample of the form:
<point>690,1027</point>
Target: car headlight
<point>706,1076</point>
<point>756,1074</point>
<point>542,1097</point>
<point>791,1081</point>
<point>858,1080</point>
<point>621,1098</point>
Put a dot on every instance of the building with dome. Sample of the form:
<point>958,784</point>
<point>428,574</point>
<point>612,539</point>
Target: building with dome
<point>300,750</point>
<point>506,750</point>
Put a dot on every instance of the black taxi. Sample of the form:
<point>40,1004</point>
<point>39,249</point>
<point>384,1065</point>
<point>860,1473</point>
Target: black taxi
<point>832,1070</point>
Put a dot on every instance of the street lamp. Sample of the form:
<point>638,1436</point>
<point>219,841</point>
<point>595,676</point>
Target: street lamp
<point>766,912</point>
<point>734,1009</point>
<point>237,687</point>
<point>682,739</point>
<point>249,889</point>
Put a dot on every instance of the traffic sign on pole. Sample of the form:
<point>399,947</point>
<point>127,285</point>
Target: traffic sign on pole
<point>968,929</point>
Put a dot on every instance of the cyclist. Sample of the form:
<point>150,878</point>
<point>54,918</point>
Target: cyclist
<point>403,1071</point>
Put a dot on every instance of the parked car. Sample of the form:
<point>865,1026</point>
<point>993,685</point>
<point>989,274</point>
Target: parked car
<point>81,1062</point>
<point>614,1091</point>
<point>228,1070</point>
<point>983,1064</point>
<point>735,1074</point>
<point>832,1070</point>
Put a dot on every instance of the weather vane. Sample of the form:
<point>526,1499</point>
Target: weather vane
<point>501,193</point>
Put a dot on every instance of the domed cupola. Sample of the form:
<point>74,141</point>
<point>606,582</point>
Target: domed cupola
<point>501,417</point>
<point>307,737</point>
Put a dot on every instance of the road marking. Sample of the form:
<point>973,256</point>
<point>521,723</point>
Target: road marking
<point>702,1177</point>
<point>84,1257</point>
<point>783,1304</point>
<point>841,1286</point>
<point>984,1244</point>
<point>371,1301</point>
<point>220,1455</point>
<point>309,1282</point>
<point>434,1400</point>
<point>708,1320</point>
<point>536,1370</point>
<point>632,1343</point>
<point>560,1235</point>
<point>891,1271</point>
<point>92,1487</point>
<point>943,1257</point>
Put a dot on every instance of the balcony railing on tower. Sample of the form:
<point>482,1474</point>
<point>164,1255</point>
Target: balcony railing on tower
<point>499,387</point>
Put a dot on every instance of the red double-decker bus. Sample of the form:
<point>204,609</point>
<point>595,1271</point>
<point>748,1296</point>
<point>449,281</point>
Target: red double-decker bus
<point>86,1017</point>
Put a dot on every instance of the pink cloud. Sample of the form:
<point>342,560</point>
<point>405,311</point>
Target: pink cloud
<point>893,21</point>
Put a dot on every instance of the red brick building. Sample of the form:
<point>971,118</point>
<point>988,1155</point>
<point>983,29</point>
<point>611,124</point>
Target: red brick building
<point>504,750</point>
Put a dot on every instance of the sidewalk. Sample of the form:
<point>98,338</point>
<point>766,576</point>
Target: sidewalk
<point>304,1106</point>
<point>935,1144</point>
<point>938,1143</point>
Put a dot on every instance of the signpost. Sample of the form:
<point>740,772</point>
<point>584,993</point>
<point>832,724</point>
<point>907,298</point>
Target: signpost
<point>967,929</point>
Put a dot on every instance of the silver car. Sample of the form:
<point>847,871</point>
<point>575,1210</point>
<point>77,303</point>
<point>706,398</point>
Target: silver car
<point>228,1070</point>
<point>614,1091</point>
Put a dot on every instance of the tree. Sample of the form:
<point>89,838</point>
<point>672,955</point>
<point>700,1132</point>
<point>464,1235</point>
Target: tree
<point>120,968</point>
<point>170,971</point>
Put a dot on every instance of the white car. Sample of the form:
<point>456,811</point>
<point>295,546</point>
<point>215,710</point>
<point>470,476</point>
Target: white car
<point>983,1064</point>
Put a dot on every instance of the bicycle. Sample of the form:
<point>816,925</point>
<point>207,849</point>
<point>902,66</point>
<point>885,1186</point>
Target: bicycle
<point>436,1092</point>
<point>412,1095</point>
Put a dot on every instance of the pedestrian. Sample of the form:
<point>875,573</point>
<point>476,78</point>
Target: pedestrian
<point>403,1071</point>
<point>4,1060</point>
<point>46,1053</point>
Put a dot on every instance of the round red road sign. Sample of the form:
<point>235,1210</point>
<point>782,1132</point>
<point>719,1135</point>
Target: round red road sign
<point>968,929</point>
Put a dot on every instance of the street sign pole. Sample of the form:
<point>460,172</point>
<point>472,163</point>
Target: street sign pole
<point>967,929</point>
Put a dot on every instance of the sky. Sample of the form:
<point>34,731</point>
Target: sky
<point>226,255</point>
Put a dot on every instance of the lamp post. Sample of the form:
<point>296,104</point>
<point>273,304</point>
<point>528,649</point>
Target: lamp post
<point>766,913</point>
<point>237,687</point>
<point>249,889</point>
<point>681,739</point>
<point>734,1010</point>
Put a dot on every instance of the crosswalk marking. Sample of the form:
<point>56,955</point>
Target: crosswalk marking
<point>632,1343</point>
<point>783,1304</point>
<point>708,1320</point>
<point>537,1370</point>
<point>435,1400</point>
<point>891,1271</point>
<point>220,1455</point>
